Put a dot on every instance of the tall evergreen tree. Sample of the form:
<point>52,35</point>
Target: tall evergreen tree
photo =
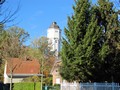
<point>77,25</point>
<point>107,56</point>
<point>88,57</point>
<point>110,52</point>
<point>91,49</point>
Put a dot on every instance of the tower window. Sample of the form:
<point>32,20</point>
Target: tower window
<point>55,41</point>
<point>56,31</point>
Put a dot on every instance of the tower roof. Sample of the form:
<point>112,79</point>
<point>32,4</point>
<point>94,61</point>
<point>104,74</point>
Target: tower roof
<point>54,25</point>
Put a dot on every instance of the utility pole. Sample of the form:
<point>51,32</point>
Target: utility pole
<point>11,73</point>
<point>41,73</point>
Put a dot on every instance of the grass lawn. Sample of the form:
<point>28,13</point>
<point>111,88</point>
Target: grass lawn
<point>26,86</point>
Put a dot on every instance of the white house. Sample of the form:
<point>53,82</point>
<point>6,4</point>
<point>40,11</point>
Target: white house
<point>20,69</point>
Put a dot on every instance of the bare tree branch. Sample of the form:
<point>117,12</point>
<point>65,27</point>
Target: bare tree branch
<point>2,1</point>
<point>9,16</point>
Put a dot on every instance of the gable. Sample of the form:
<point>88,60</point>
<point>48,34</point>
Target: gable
<point>55,68</point>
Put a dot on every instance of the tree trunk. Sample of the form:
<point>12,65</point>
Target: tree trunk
<point>41,82</point>
<point>42,75</point>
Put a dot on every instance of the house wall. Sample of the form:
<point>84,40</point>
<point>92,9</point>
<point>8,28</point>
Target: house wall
<point>14,80</point>
<point>17,80</point>
<point>57,79</point>
<point>7,79</point>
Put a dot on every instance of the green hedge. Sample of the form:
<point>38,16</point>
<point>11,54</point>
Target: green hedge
<point>26,86</point>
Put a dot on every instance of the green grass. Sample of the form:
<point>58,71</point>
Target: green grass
<point>26,86</point>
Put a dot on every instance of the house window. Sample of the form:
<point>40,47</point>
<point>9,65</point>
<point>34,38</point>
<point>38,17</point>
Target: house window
<point>57,80</point>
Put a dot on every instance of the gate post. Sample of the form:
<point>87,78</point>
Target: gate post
<point>80,86</point>
<point>113,85</point>
<point>95,86</point>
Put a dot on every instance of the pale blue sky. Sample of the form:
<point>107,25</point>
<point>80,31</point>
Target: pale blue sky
<point>35,16</point>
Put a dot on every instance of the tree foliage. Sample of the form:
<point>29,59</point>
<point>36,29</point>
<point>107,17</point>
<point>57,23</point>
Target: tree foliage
<point>13,45</point>
<point>6,16</point>
<point>90,51</point>
<point>77,25</point>
<point>40,50</point>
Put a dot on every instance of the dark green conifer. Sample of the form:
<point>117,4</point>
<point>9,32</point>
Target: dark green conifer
<point>110,52</point>
<point>91,49</point>
<point>77,25</point>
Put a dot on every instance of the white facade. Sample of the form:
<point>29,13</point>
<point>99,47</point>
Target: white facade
<point>7,78</point>
<point>54,36</point>
<point>17,77</point>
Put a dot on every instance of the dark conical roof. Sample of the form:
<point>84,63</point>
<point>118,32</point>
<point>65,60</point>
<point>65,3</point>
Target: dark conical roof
<point>54,25</point>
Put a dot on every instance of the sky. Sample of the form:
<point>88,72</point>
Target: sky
<point>35,16</point>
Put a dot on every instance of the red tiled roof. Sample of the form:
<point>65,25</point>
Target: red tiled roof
<point>20,66</point>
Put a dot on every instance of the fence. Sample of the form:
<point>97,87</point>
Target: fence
<point>70,86</point>
<point>90,86</point>
<point>4,86</point>
<point>99,86</point>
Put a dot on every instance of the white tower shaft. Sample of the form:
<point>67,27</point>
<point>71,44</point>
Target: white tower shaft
<point>54,36</point>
